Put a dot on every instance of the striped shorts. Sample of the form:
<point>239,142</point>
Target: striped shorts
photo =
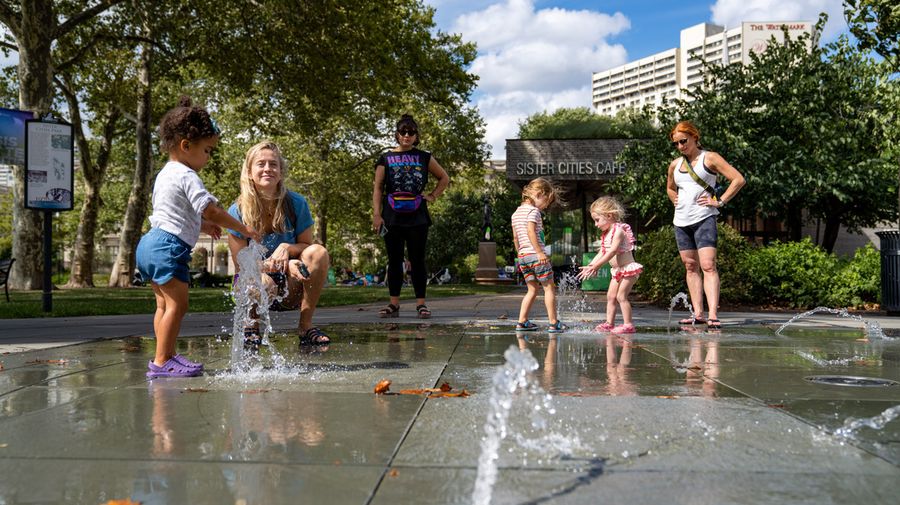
<point>533,271</point>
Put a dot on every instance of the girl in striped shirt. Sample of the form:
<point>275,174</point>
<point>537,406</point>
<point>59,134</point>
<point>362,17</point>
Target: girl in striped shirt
<point>528,237</point>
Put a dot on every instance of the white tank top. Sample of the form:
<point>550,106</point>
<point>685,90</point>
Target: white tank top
<point>688,211</point>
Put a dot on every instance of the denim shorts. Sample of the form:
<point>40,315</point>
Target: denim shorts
<point>162,256</point>
<point>698,235</point>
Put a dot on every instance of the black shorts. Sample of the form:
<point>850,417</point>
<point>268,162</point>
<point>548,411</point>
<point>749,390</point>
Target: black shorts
<point>698,235</point>
<point>280,281</point>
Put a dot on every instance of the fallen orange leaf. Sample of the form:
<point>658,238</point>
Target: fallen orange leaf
<point>445,387</point>
<point>461,394</point>
<point>126,501</point>
<point>394,472</point>
<point>382,387</point>
<point>669,397</point>
<point>776,405</point>
<point>412,391</point>
<point>48,362</point>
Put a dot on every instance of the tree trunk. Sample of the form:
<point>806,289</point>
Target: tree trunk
<point>322,225</point>
<point>832,227</point>
<point>82,275</point>
<point>35,94</point>
<point>136,211</point>
<point>795,223</point>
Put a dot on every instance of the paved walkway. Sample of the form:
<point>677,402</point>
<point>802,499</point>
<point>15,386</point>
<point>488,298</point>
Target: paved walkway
<point>669,416</point>
<point>18,335</point>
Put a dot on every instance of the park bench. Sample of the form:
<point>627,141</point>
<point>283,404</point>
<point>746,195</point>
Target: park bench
<point>5,267</point>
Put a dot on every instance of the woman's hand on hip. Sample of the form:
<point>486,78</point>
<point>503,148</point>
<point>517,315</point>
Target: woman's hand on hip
<point>707,201</point>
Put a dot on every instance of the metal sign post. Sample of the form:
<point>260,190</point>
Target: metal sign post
<point>49,181</point>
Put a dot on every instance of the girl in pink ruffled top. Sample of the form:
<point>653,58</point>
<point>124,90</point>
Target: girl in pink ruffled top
<point>616,245</point>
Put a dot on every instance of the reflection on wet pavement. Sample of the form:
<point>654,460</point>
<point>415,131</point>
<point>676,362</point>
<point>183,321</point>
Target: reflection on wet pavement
<point>670,403</point>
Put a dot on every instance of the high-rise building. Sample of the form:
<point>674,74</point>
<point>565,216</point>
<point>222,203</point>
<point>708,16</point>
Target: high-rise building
<point>6,178</point>
<point>668,73</point>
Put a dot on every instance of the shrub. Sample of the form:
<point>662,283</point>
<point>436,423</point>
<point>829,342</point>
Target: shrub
<point>5,248</point>
<point>198,260</point>
<point>857,281</point>
<point>465,268</point>
<point>789,274</point>
<point>664,274</point>
<point>794,274</point>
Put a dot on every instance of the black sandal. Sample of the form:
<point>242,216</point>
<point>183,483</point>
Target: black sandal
<point>423,311</point>
<point>252,339</point>
<point>390,311</point>
<point>314,336</point>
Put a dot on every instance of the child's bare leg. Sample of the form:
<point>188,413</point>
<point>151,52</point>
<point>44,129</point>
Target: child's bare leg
<point>160,308</point>
<point>175,299</point>
<point>622,297</point>
<point>611,301</point>
<point>550,301</point>
<point>528,300</point>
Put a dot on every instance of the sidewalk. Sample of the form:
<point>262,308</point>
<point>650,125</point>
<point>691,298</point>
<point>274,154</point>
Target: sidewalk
<point>686,416</point>
<point>17,335</point>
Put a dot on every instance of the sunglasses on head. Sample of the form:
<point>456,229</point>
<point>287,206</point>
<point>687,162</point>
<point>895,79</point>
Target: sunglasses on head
<point>408,132</point>
<point>677,143</point>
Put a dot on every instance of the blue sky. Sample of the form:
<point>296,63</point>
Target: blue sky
<point>538,55</point>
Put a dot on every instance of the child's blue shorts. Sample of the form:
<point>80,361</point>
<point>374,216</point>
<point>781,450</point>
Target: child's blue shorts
<point>162,256</point>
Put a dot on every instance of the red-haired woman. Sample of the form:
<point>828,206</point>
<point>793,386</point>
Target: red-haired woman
<point>690,187</point>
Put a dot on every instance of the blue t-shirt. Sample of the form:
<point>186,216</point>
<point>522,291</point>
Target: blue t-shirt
<point>291,230</point>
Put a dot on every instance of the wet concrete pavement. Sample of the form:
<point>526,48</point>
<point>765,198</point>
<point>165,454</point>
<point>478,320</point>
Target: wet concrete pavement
<point>672,415</point>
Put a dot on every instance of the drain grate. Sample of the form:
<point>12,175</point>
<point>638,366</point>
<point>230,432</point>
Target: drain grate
<point>846,380</point>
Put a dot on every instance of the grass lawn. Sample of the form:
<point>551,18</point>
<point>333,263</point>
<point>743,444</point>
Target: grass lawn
<point>140,300</point>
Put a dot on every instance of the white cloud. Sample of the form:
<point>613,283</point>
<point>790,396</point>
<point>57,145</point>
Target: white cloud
<point>732,12</point>
<point>532,61</point>
<point>502,112</point>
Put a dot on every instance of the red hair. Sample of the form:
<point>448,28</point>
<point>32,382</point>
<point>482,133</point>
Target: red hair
<point>687,128</point>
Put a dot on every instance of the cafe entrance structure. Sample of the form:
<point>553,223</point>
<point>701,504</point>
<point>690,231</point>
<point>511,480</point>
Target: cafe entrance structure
<point>582,170</point>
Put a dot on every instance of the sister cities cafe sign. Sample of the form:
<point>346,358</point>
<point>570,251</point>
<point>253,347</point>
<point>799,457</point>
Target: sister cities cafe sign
<point>564,160</point>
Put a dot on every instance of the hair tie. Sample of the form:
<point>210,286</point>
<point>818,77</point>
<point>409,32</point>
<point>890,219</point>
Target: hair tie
<point>215,126</point>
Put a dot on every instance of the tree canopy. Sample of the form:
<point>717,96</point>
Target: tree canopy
<point>876,25</point>
<point>583,123</point>
<point>325,79</point>
<point>801,122</point>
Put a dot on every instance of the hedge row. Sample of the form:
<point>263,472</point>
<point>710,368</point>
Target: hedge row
<point>789,274</point>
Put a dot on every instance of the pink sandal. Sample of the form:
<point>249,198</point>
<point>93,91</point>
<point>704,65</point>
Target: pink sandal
<point>604,326</point>
<point>623,329</point>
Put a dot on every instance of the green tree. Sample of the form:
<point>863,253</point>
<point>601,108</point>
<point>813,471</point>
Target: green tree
<point>799,122</point>
<point>333,103</point>
<point>96,94</point>
<point>583,123</point>
<point>37,27</point>
<point>876,25</point>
